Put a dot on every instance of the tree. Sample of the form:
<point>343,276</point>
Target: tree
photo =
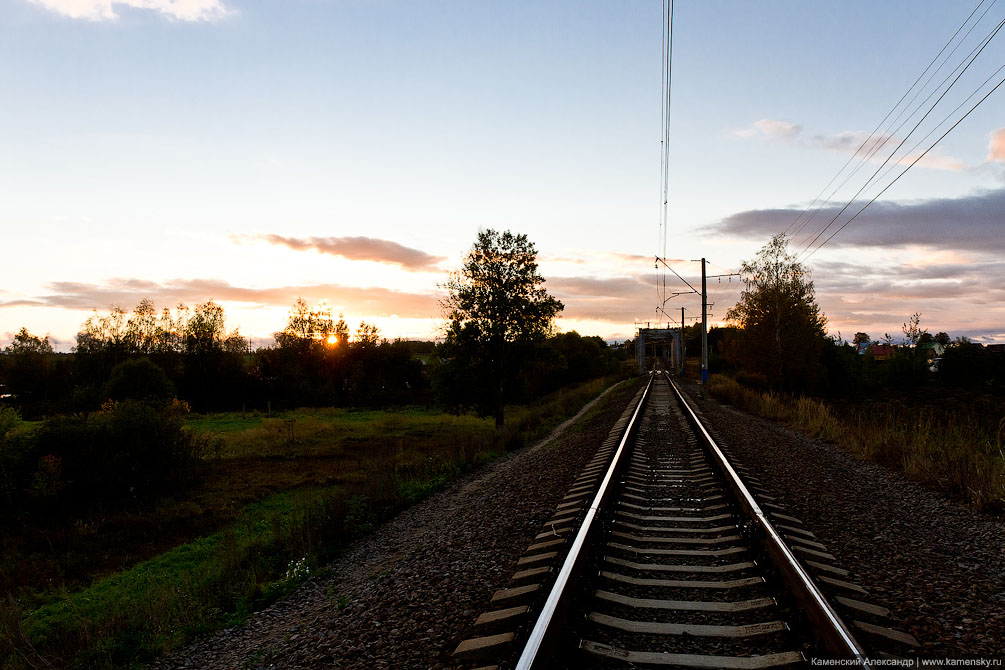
<point>496,304</point>
<point>367,335</point>
<point>782,328</point>
<point>861,338</point>
<point>913,332</point>
<point>26,367</point>
<point>308,329</point>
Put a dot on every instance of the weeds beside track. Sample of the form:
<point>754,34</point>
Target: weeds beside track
<point>960,450</point>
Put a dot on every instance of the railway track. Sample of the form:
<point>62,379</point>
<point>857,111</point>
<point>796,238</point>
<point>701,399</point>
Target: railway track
<point>664,554</point>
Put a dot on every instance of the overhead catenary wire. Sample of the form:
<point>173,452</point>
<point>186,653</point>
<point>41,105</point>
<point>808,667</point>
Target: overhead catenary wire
<point>890,132</point>
<point>988,94</point>
<point>666,72</point>
<point>820,233</point>
<point>888,114</point>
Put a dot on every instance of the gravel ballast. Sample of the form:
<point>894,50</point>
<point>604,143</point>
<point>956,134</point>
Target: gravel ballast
<point>936,564</point>
<point>404,597</point>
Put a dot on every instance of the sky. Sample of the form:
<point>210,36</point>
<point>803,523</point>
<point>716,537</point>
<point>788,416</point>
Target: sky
<point>348,152</point>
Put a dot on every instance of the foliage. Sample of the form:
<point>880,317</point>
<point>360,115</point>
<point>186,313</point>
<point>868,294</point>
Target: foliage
<point>127,451</point>
<point>16,450</point>
<point>139,379</point>
<point>913,332</point>
<point>496,306</point>
<point>970,366</point>
<point>29,370</point>
<point>782,327</point>
<point>216,580</point>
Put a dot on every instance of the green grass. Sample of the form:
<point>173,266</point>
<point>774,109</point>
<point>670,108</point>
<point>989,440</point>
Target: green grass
<point>959,450</point>
<point>285,507</point>
<point>200,585</point>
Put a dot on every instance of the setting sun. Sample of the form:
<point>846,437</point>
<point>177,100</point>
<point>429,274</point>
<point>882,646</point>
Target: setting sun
<point>332,340</point>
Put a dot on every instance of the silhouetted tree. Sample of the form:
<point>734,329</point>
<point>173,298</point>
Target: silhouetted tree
<point>913,332</point>
<point>496,305</point>
<point>782,327</point>
<point>27,367</point>
<point>139,379</point>
<point>861,338</point>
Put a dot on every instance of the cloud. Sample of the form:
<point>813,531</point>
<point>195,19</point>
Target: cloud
<point>849,141</point>
<point>996,148</point>
<point>359,249</point>
<point>127,293</point>
<point>771,129</point>
<point>973,222</point>
<point>104,10</point>
<point>959,298</point>
<point>613,299</point>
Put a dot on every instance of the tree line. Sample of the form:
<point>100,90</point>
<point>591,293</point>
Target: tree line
<point>776,339</point>
<point>113,408</point>
<point>316,360</point>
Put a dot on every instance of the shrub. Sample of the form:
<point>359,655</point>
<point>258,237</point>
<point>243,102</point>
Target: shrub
<point>965,366</point>
<point>17,456</point>
<point>129,449</point>
<point>139,379</point>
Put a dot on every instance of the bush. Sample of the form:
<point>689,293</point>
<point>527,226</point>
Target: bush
<point>129,449</point>
<point>139,379</point>
<point>965,366</point>
<point>17,460</point>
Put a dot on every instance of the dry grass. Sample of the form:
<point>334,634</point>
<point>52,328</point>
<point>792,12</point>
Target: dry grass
<point>960,451</point>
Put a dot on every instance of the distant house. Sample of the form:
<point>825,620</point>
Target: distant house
<point>880,351</point>
<point>996,348</point>
<point>932,350</point>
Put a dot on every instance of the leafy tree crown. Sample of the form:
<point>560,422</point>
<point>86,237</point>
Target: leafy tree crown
<point>498,295</point>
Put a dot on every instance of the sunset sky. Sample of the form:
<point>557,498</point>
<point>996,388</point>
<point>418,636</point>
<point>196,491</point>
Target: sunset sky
<point>348,151</point>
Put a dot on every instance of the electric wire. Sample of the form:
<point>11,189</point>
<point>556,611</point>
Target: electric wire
<point>824,229</point>
<point>917,144</point>
<point>986,95</point>
<point>890,132</point>
<point>878,125</point>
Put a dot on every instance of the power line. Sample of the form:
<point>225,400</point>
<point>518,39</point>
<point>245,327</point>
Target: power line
<point>824,229</point>
<point>917,144</point>
<point>888,114</point>
<point>890,132</point>
<point>665,87</point>
<point>908,168</point>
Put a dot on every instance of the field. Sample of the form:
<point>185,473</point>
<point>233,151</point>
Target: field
<point>275,500</point>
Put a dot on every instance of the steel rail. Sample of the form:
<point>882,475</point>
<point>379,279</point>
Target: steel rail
<point>543,624</point>
<point>832,632</point>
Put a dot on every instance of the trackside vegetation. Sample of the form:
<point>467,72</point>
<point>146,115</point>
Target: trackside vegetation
<point>958,449</point>
<point>163,479</point>
<point>931,407</point>
<point>322,477</point>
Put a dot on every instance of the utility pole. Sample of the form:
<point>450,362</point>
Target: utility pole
<point>683,351</point>
<point>704,326</point>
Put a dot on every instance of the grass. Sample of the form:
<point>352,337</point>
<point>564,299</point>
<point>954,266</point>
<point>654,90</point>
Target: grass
<point>278,499</point>
<point>959,450</point>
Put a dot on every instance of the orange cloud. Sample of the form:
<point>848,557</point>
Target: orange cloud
<point>126,293</point>
<point>996,148</point>
<point>359,249</point>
